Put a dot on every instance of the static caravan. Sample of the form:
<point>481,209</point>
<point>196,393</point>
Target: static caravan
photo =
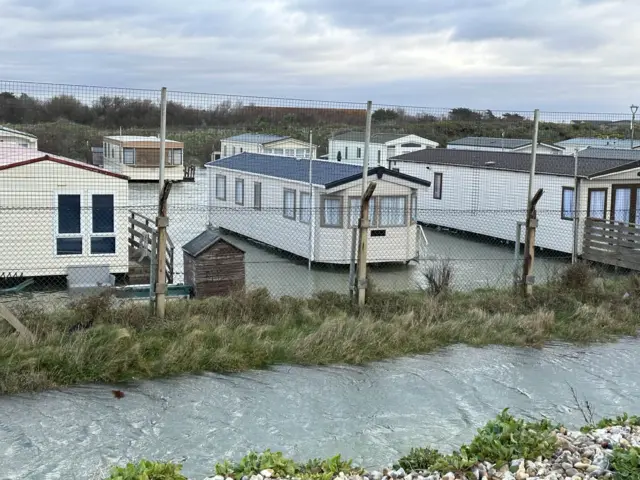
<point>57,213</point>
<point>486,193</point>
<point>139,157</point>
<point>11,136</point>
<point>499,144</point>
<point>349,147</point>
<point>271,200</point>
<point>265,143</point>
<point>580,143</point>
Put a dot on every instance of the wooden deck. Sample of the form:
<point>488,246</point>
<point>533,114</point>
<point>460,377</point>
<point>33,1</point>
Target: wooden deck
<point>142,241</point>
<point>612,243</point>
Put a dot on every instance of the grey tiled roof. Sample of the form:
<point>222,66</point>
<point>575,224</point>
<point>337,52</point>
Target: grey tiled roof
<point>492,142</point>
<point>599,142</point>
<point>614,153</point>
<point>375,137</point>
<point>255,138</point>
<point>562,165</point>
<point>328,174</point>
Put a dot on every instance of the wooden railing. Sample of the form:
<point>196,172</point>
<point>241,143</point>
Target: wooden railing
<point>190,173</point>
<point>612,243</point>
<point>143,239</point>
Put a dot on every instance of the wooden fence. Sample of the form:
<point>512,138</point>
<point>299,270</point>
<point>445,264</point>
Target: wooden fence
<point>143,239</point>
<point>612,243</point>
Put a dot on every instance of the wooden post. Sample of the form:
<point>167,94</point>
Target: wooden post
<point>362,250</point>
<point>15,323</point>
<point>162,221</point>
<point>530,244</point>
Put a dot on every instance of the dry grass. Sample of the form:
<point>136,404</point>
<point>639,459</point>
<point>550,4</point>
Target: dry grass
<point>253,330</point>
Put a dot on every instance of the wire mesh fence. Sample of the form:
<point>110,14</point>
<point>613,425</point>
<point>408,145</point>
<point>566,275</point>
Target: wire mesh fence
<point>268,191</point>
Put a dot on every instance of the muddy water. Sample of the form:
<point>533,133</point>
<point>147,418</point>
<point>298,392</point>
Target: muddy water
<point>373,414</point>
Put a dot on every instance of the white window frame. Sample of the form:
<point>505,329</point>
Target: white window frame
<point>324,224</point>
<point>257,205</point>
<point>124,156</point>
<point>404,212</point>
<point>176,152</point>
<point>285,192</point>
<point>56,224</point>
<point>413,208</point>
<point>373,215</point>
<point>239,181</point>
<point>438,180</point>
<point>304,210</point>
<point>93,234</point>
<point>224,194</point>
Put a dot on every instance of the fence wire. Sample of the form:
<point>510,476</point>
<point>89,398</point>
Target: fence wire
<point>263,185</point>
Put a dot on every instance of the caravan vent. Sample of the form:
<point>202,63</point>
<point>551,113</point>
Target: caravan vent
<point>489,163</point>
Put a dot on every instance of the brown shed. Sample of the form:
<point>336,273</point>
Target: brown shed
<point>213,265</point>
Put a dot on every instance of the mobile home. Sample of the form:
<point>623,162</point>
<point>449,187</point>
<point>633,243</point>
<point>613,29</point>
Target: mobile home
<point>58,213</point>
<point>499,144</point>
<point>12,136</point>
<point>486,193</point>
<point>265,143</point>
<point>274,203</point>
<point>349,147</point>
<point>139,157</point>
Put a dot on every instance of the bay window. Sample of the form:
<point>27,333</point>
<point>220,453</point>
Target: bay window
<point>393,211</point>
<point>354,211</point>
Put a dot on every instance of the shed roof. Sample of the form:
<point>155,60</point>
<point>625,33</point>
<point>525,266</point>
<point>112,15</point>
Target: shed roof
<point>255,138</point>
<point>561,165</point>
<point>204,241</point>
<point>17,132</point>
<point>375,137</point>
<point>599,142</point>
<point>18,156</point>
<point>324,173</point>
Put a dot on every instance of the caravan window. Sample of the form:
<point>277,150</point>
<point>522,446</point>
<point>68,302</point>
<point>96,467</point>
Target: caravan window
<point>567,203</point>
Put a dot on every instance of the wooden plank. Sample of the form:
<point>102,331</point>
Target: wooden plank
<point>15,323</point>
<point>142,225</point>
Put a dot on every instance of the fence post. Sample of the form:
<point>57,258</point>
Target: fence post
<point>364,211</point>
<point>529,250</point>
<point>162,221</point>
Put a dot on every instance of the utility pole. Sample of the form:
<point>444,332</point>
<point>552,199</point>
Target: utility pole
<point>634,110</point>
<point>367,191</point>
<point>312,217</point>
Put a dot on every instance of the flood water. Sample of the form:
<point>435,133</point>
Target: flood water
<point>476,264</point>
<point>373,414</point>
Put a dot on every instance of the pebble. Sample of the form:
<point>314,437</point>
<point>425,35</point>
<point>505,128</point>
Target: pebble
<point>400,473</point>
<point>572,472</point>
<point>218,477</point>
<point>375,475</point>
<point>267,473</point>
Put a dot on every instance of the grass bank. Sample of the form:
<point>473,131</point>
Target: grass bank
<point>253,330</point>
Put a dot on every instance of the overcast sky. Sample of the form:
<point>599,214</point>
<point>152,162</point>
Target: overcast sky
<point>561,55</point>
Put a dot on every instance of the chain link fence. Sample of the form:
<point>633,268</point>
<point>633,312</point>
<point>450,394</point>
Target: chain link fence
<point>267,192</point>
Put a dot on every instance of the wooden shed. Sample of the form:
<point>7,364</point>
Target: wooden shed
<point>213,265</point>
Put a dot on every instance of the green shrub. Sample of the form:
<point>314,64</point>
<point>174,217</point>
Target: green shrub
<point>419,459</point>
<point>458,463</point>
<point>626,463</point>
<point>147,470</point>
<point>622,420</point>
<point>507,438</point>
<point>253,463</point>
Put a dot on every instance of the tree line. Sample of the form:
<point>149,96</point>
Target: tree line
<point>67,126</point>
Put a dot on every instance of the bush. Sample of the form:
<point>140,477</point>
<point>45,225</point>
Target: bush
<point>507,438</point>
<point>578,276</point>
<point>626,463</point>
<point>147,470</point>
<point>439,277</point>
<point>419,459</point>
<point>329,467</point>
<point>253,463</point>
